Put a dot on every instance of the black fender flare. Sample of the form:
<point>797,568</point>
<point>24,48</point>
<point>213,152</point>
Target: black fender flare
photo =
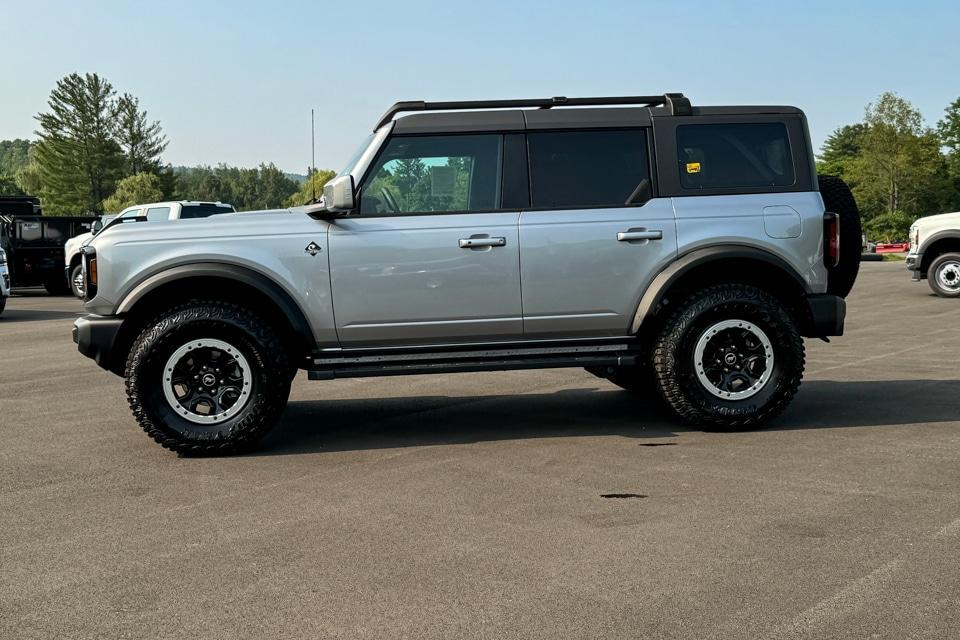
<point>244,275</point>
<point>660,285</point>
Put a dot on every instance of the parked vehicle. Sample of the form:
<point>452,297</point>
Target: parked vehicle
<point>4,281</point>
<point>35,243</point>
<point>935,253</point>
<point>153,212</point>
<point>677,250</point>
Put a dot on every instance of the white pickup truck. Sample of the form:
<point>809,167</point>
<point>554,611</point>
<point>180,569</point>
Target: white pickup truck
<point>153,212</point>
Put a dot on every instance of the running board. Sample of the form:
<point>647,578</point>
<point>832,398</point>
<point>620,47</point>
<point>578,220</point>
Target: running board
<point>468,361</point>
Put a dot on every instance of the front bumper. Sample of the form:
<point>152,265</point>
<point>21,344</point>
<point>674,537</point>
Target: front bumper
<point>827,315</point>
<point>96,337</point>
<point>914,260</point>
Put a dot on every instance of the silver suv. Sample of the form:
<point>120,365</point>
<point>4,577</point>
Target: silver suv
<point>675,250</point>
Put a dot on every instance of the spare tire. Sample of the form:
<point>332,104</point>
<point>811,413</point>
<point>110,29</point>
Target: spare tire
<point>838,199</point>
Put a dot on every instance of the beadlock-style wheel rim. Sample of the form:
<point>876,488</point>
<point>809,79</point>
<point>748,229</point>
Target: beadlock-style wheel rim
<point>733,359</point>
<point>948,275</point>
<point>207,381</point>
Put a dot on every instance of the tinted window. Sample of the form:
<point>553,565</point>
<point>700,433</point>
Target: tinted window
<point>422,174</point>
<point>155,214</point>
<point>734,155</point>
<point>203,210</point>
<point>586,168</point>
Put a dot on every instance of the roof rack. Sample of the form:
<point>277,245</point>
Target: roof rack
<point>676,102</point>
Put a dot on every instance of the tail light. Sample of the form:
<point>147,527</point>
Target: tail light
<point>831,239</point>
<point>89,271</point>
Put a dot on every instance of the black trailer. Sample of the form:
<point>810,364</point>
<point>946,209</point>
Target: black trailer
<point>34,242</point>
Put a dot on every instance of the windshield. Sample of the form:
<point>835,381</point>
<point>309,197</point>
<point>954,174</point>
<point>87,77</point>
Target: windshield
<point>355,158</point>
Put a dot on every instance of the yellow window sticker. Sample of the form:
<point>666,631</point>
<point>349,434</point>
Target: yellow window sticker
<point>693,167</point>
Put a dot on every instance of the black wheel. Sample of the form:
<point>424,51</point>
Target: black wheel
<point>944,275</point>
<point>56,287</point>
<point>729,358</point>
<point>76,281</point>
<point>838,199</point>
<point>207,378</point>
<point>3,304</point>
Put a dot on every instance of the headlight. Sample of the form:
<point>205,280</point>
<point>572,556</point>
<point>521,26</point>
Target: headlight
<point>914,236</point>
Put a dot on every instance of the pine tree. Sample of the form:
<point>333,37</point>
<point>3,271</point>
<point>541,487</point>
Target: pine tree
<point>142,141</point>
<point>78,158</point>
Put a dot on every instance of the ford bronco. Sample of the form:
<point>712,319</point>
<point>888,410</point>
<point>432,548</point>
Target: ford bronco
<point>675,250</point>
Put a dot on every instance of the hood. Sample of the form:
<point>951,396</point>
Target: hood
<point>939,218</point>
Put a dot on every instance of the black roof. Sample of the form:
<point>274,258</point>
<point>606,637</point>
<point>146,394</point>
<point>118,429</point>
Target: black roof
<point>491,116</point>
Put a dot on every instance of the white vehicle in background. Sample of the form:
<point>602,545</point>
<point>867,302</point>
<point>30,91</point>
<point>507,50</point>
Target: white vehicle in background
<point>935,253</point>
<point>4,280</point>
<point>153,212</point>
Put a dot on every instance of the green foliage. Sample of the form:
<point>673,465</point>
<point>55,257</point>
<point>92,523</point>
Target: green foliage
<point>894,165</point>
<point>14,155</point>
<point>78,156</point>
<point>893,226</point>
<point>9,186</point>
<point>266,187</point>
<point>140,188</point>
<point>142,141</point>
<point>840,149</point>
<point>313,187</point>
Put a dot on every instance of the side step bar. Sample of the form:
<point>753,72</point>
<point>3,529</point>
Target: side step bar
<point>467,361</point>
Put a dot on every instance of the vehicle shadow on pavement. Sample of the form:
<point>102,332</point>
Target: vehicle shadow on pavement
<point>339,425</point>
<point>359,424</point>
<point>34,315</point>
<point>828,404</point>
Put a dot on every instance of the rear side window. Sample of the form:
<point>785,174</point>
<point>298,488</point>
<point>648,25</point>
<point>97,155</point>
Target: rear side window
<point>158,214</point>
<point>203,210</point>
<point>586,168</point>
<point>718,156</point>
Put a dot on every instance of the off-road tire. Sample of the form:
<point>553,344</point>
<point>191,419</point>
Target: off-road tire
<point>674,362</point>
<point>251,335</point>
<point>3,304</point>
<point>76,271</point>
<point>934,281</point>
<point>838,199</point>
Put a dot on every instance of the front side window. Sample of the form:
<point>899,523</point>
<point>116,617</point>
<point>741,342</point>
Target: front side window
<point>717,156</point>
<point>587,168</point>
<point>434,174</point>
<point>156,214</point>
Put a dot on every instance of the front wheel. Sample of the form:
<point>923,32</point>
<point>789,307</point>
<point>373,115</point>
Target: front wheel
<point>207,378</point>
<point>730,358</point>
<point>944,275</point>
<point>76,281</point>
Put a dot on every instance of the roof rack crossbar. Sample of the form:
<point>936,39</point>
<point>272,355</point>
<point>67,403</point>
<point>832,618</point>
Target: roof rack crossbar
<point>678,104</point>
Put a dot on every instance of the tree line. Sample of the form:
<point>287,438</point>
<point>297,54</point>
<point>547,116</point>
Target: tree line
<point>898,168</point>
<point>97,151</point>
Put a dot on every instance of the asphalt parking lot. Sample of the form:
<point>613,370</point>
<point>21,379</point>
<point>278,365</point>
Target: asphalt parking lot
<point>472,505</point>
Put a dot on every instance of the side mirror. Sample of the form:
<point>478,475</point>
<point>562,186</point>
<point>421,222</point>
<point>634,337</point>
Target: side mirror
<point>97,225</point>
<point>338,194</point>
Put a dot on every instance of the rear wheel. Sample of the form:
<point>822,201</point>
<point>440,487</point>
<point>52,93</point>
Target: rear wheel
<point>838,199</point>
<point>3,304</point>
<point>729,358</point>
<point>944,275</point>
<point>76,281</point>
<point>207,378</point>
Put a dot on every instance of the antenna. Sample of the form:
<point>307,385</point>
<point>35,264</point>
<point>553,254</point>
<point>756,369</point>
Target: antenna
<point>313,158</point>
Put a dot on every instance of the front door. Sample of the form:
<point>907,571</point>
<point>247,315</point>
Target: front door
<point>593,238</point>
<point>430,258</point>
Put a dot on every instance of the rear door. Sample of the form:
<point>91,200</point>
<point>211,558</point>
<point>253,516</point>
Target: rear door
<point>594,237</point>
<point>432,256</point>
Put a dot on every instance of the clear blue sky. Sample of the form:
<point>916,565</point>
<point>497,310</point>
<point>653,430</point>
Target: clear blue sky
<point>234,81</point>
